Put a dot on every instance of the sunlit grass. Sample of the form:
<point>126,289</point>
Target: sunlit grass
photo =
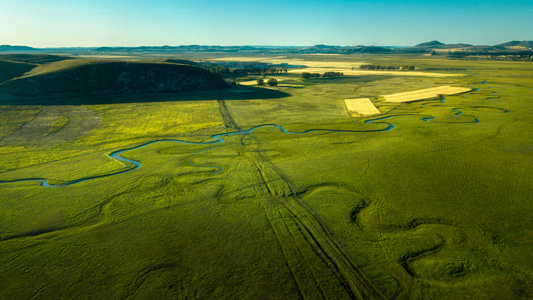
<point>431,209</point>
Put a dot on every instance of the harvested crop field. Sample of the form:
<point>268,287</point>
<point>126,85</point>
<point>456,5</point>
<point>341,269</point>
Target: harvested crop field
<point>249,82</point>
<point>294,61</point>
<point>425,94</point>
<point>350,72</point>
<point>254,82</point>
<point>362,106</point>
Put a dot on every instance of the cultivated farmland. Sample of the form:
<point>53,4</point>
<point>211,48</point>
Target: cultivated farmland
<point>425,94</point>
<point>362,106</point>
<point>348,71</point>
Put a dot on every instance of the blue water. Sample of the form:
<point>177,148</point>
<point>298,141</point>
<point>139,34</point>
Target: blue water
<point>458,112</point>
<point>390,126</point>
<point>428,118</point>
<point>217,139</point>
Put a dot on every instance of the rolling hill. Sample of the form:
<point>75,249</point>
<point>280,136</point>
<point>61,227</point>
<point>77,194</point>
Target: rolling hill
<point>525,45</point>
<point>13,69</point>
<point>16,65</point>
<point>10,48</point>
<point>37,59</point>
<point>430,45</point>
<point>85,77</point>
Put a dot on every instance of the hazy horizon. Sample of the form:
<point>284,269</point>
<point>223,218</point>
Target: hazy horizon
<point>61,23</point>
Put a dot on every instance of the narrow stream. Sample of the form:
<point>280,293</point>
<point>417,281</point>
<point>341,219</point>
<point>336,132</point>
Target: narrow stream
<point>217,139</point>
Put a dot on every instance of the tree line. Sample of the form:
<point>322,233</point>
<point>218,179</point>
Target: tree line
<point>383,68</point>
<point>226,72</point>
<point>271,81</point>
<point>306,75</point>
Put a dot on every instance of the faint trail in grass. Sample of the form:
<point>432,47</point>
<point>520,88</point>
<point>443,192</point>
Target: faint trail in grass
<point>314,230</point>
<point>41,131</point>
<point>21,126</point>
<point>322,243</point>
<point>229,121</point>
<point>36,294</point>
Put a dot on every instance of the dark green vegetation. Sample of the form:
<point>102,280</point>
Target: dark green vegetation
<point>11,69</point>
<point>388,68</point>
<point>306,75</point>
<point>436,209</point>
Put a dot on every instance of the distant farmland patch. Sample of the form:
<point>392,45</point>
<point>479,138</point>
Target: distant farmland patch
<point>350,72</point>
<point>425,94</point>
<point>362,106</point>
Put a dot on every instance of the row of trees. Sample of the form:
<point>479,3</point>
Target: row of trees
<point>306,75</point>
<point>491,56</point>
<point>226,72</point>
<point>333,74</point>
<point>270,81</point>
<point>387,68</point>
<point>275,70</point>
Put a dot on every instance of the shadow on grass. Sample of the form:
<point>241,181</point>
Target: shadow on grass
<point>238,93</point>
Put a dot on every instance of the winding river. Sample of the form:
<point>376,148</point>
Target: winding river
<point>217,139</point>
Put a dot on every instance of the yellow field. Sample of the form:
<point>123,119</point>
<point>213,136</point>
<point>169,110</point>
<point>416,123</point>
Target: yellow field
<point>330,66</point>
<point>349,71</point>
<point>109,57</point>
<point>362,106</point>
<point>291,85</point>
<point>249,82</point>
<point>254,82</point>
<point>425,94</point>
<point>295,61</point>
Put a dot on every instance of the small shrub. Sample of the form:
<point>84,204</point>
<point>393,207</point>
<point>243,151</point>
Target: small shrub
<point>272,82</point>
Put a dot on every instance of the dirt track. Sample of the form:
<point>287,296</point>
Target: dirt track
<point>81,121</point>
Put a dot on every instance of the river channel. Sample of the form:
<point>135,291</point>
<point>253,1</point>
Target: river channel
<point>216,139</point>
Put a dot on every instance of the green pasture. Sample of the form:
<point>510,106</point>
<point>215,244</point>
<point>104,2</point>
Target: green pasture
<point>437,208</point>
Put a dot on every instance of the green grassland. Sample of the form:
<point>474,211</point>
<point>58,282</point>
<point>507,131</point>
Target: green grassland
<point>435,208</point>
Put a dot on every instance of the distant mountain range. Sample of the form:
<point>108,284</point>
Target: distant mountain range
<point>9,48</point>
<point>512,46</point>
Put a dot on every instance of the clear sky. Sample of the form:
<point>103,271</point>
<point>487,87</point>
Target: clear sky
<point>68,23</point>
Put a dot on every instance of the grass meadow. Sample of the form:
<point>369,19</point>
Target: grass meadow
<point>437,207</point>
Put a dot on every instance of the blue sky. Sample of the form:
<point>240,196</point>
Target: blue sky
<point>66,23</point>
